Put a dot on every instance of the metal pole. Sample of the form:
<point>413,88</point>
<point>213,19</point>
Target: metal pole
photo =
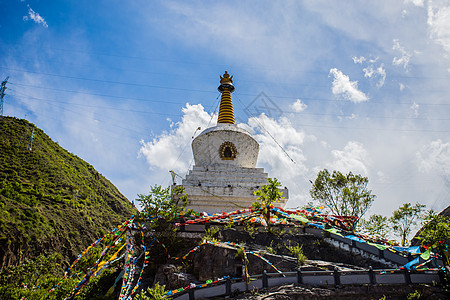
<point>372,276</point>
<point>337,279</point>
<point>228,286</point>
<point>2,94</point>
<point>299,276</point>
<point>265,280</point>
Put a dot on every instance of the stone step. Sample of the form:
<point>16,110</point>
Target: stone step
<point>233,191</point>
<point>232,177</point>
<point>237,171</point>
<point>217,205</point>
<point>228,174</point>
<point>225,168</point>
<point>224,182</point>
<point>221,191</point>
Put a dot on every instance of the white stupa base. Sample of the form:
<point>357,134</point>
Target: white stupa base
<point>224,188</point>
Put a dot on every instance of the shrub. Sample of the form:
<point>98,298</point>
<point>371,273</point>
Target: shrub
<point>155,293</point>
<point>297,252</point>
<point>211,234</point>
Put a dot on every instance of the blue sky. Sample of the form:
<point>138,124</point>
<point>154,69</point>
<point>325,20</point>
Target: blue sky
<point>344,85</point>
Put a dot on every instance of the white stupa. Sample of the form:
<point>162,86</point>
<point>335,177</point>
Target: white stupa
<point>224,177</point>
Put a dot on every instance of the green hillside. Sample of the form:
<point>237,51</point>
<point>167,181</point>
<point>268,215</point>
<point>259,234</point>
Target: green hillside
<point>50,199</point>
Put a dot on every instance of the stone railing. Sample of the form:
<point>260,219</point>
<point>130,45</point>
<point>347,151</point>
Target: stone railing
<point>315,278</point>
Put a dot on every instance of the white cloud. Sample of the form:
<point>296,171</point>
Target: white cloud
<point>415,2</point>
<point>276,162</point>
<point>35,17</point>
<point>298,106</point>
<point>403,60</point>
<point>439,25</point>
<point>404,13</point>
<point>381,177</point>
<point>171,150</point>
<point>287,137</point>
<point>382,72</point>
<point>358,60</point>
<point>376,72</point>
<point>351,117</point>
<point>401,86</point>
<point>346,88</point>
<point>435,157</point>
<point>370,70</point>
<point>415,109</point>
<point>433,162</point>
<point>353,157</point>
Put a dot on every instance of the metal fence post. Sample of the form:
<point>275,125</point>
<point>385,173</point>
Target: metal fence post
<point>372,276</point>
<point>441,274</point>
<point>299,276</point>
<point>337,278</point>
<point>228,286</point>
<point>191,294</point>
<point>265,279</point>
<point>407,276</point>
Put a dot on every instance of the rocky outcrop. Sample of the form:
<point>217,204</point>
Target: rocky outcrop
<point>216,261</point>
<point>213,262</point>
<point>170,276</point>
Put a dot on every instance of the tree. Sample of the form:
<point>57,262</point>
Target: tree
<point>269,194</point>
<point>404,218</point>
<point>164,203</point>
<point>436,232</point>
<point>344,195</point>
<point>376,225</point>
<point>163,206</point>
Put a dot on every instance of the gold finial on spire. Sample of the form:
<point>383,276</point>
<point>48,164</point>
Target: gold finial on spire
<point>226,79</point>
<point>226,114</point>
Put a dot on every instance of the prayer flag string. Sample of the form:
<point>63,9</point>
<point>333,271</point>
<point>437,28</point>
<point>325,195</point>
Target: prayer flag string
<point>309,217</point>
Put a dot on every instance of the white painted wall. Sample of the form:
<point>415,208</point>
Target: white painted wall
<point>206,146</point>
<point>214,184</point>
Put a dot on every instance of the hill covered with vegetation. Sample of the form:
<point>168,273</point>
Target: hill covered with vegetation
<point>51,201</point>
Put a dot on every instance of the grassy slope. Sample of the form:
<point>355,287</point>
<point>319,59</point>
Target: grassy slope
<point>50,200</point>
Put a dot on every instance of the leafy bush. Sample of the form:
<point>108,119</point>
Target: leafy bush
<point>211,234</point>
<point>297,252</point>
<point>271,248</point>
<point>34,279</point>
<point>158,292</point>
<point>250,228</point>
<point>416,295</point>
<point>239,253</point>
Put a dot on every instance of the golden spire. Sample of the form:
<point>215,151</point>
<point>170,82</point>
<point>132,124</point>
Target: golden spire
<point>226,114</point>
